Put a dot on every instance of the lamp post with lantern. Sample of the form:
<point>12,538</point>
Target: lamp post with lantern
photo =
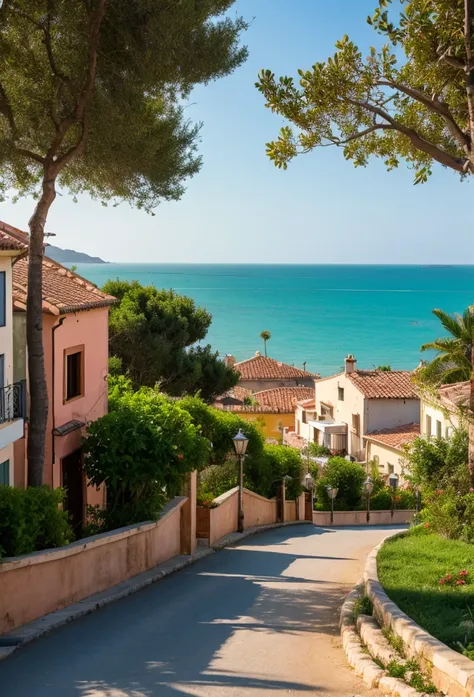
<point>332,492</point>
<point>309,484</point>
<point>393,483</point>
<point>368,488</point>
<point>240,447</point>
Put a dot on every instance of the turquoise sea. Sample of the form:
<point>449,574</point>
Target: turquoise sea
<point>317,314</point>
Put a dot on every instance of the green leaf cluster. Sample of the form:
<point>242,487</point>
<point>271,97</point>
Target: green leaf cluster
<point>151,334</point>
<point>32,519</point>
<point>141,450</point>
<point>140,145</point>
<point>348,477</point>
<point>408,100</point>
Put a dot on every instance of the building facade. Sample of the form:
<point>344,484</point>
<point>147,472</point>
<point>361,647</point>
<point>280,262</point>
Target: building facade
<point>75,341</point>
<point>351,404</point>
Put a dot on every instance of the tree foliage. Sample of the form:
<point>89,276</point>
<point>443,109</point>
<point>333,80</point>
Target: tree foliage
<point>348,478</point>
<point>436,464</point>
<point>141,450</point>
<point>411,100</point>
<point>152,333</point>
<point>91,98</point>
<point>453,360</point>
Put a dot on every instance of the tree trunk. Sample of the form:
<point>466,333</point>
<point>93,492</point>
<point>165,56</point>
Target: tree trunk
<point>38,415</point>
<point>471,420</point>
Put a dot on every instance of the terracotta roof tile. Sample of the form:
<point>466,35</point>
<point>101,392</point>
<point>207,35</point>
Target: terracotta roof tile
<point>308,403</point>
<point>284,399</point>
<point>380,384</point>
<point>63,290</point>
<point>262,368</point>
<point>395,437</point>
<point>456,395</point>
<point>12,239</point>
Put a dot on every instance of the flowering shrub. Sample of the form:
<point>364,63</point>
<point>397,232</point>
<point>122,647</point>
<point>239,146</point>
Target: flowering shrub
<point>460,579</point>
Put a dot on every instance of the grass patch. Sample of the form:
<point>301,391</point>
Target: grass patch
<point>395,641</point>
<point>363,606</point>
<point>410,569</point>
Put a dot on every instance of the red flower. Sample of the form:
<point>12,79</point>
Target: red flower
<point>463,573</point>
<point>180,456</point>
<point>426,525</point>
<point>449,577</point>
<point>471,490</point>
<point>439,492</point>
<point>442,581</point>
<point>460,582</point>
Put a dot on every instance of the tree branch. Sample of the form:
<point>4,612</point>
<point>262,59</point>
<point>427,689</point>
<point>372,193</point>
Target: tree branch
<point>32,155</point>
<point>361,134</point>
<point>433,105</point>
<point>6,110</point>
<point>468,34</point>
<point>433,151</point>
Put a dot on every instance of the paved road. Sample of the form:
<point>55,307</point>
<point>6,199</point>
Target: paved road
<point>254,621</point>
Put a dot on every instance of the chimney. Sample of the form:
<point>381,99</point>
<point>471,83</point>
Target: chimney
<point>229,361</point>
<point>350,364</point>
<point>257,354</point>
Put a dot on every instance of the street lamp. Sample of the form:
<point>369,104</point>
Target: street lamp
<point>309,484</point>
<point>368,488</point>
<point>417,499</point>
<point>393,483</point>
<point>332,493</point>
<point>240,447</point>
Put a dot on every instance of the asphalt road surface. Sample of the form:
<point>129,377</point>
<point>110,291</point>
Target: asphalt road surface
<point>257,620</point>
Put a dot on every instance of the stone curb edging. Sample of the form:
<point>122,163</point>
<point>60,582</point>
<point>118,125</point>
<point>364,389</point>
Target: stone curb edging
<point>363,664</point>
<point>21,636</point>
<point>452,673</point>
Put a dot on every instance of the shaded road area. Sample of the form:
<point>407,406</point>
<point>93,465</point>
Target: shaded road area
<point>253,621</point>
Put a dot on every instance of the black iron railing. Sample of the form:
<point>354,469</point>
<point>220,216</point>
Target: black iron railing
<point>13,402</point>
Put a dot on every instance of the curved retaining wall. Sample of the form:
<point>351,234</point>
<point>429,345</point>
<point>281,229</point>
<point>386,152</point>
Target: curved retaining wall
<point>36,584</point>
<point>323,518</point>
<point>451,673</point>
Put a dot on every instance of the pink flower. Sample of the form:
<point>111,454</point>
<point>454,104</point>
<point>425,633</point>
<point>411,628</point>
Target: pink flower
<point>463,573</point>
<point>426,525</point>
<point>442,581</point>
<point>449,577</point>
<point>460,582</point>
<point>439,492</point>
<point>180,456</point>
<point>471,490</point>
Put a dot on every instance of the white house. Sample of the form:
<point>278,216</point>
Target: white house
<point>445,411</point>
<point>386,448</point>
<point>12,395</point>
<point>354,403</point>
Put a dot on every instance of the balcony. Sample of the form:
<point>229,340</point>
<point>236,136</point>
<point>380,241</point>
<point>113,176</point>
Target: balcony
<point>12,412</point>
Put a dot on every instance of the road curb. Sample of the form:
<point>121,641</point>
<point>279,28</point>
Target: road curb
<point>12,641</point>
<point>357,654</point>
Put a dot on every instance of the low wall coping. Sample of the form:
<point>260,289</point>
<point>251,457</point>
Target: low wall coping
<point>226,495</point>
<point>364,510</point>
<point>457,667</point>
<point>258,496</point>
<point>104,538</point>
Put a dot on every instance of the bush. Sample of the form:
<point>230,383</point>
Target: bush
<point>141,450</point>
<point>282,462</point>
<point>348,477</point>
<point>216,480</point>
<point>382,501</point>
<point>316,450</point>
<point>31,520</point>
<point>450,514</point>
<point>439,463</point>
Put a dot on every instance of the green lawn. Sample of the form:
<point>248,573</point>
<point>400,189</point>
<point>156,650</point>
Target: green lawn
<point>410,569</point>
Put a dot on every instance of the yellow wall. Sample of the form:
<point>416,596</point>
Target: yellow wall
<point>271,423</point>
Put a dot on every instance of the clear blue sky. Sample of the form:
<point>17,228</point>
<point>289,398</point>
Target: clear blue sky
<point>239,208</point>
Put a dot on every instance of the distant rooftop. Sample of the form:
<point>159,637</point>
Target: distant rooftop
<point>262,368</point>
<point>395,437</point>
<point>381,384</point>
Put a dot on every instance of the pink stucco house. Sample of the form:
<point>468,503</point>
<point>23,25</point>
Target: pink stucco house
<point>75,337</point>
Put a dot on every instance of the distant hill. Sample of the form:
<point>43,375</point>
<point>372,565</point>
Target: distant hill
<point>69,256</point>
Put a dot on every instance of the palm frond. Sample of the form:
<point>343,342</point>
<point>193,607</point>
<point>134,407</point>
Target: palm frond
<point>450,323</point>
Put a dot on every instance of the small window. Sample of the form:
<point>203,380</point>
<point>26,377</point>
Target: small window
<point>391,468</point>
<point>326,411</point>
<point>340,394</point>
<point>5,473</point>
<point>74,373</point>
<point>428,426</point>
<point>356,424</point>
<point>3,300</point>
<point>439,429</point>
